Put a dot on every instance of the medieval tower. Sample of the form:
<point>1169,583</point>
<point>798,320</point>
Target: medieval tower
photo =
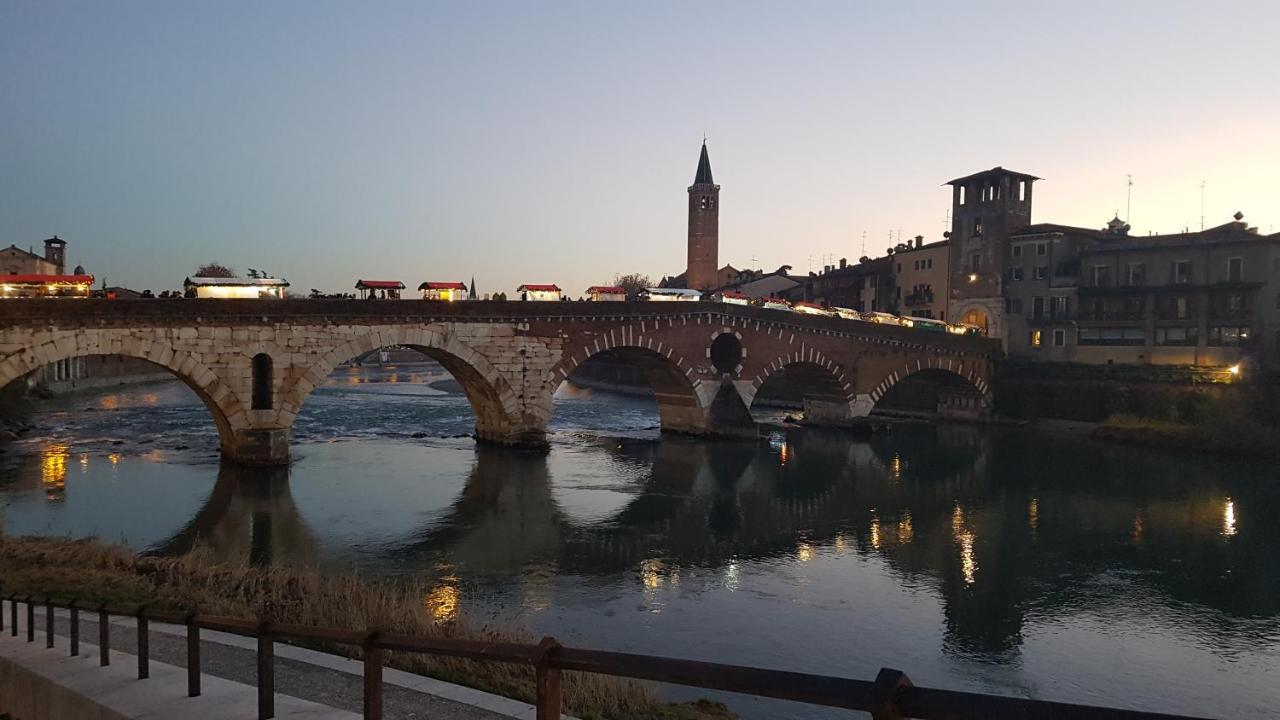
<point>704,227</point>
<point>985,208</point>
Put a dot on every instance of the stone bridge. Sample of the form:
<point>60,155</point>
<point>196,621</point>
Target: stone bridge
<point>255,362</point>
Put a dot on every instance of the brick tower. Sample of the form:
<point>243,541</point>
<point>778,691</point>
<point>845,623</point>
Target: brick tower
<point>985,208</point>
<point>704,227</point>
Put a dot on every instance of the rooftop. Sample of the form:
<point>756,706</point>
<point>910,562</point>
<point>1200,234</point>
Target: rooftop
<point>996,171</point>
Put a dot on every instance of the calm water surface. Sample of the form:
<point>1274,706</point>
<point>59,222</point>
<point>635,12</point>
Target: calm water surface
<point>1014,562</point>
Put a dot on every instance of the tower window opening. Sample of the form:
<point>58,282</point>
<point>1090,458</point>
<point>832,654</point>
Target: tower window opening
<point>1022,191</point>
<point>962,191</point>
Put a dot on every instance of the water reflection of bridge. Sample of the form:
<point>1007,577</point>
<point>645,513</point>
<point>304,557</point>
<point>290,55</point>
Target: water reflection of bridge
<point>997,543</point>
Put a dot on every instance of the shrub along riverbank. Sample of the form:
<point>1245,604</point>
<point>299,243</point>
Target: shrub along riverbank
<point>94,572</point>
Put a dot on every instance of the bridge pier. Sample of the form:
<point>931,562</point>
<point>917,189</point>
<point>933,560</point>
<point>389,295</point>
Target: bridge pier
<point>258,446</point>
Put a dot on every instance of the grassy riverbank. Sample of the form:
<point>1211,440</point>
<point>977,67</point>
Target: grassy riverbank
<point>95,572</point>
<point>1238,436</point>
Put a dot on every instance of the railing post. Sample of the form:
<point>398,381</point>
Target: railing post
<point>31,620</point>
<point>13,615</point>
<point>372,677</point>
<point>548,681</point>
<point>266,673</point>
<point>104,636</point>
<point>144,645</point>
<point>75,628</point>
<point>193,655</point>
<point>888,686</point>
<point>48,621</point>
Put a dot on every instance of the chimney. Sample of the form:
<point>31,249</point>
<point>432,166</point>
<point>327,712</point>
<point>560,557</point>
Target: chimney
<point>843,263</point>
<point>919,240</point>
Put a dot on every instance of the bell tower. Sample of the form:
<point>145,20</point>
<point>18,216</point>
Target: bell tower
<point>704,227</point>
<point>55,251</point>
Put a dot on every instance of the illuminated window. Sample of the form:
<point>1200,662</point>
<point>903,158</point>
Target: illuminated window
<point>1034,337</point>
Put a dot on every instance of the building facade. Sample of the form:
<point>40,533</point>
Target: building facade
<point>921,278</point>
<point>1207,298</point>
<point>16,261</point>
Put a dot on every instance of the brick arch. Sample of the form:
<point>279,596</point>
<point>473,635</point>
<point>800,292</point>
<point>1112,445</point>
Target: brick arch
<point>220,399</point>
<point>970,372</point>
<point>683,404</point>
<point>827,390</point>
<point>496,407</point>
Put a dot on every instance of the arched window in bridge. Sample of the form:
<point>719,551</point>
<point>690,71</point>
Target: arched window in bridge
<point>262,381</point>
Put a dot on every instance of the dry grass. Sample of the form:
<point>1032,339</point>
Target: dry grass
<point>94,572</point>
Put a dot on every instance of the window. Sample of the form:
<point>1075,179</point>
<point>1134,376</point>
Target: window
<point>1033,338</point>
<point>1037,308</point>
<point>1060,308</point>
<point>975,262</point>
<point>1015,273</point>
<point>961,200</point>
<point>1013,306</point>
<point>1060,337</point>
<point>1227,336</point>
<point>1181,308</point>
<point>930,263</point>
<point>1177,336</point>
<point>1017,251</point>
<point>1101,276</point>
<point>1042,248</point>
<point>261,382</point>
<point>1136,274</point>
<point>977,226</point>
<point>1111,336</point>
<point>1180,272</point>
<point>1041,272</point>
<point>1022,190</point>
<point>1235,269</point>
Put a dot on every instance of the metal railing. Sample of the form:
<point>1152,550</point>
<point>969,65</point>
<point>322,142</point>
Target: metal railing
<point>891,696</point>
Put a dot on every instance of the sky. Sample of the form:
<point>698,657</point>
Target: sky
<point>554,142</point>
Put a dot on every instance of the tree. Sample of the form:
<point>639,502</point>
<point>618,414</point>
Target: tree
<point>213,269</point>
<point>633,284</point>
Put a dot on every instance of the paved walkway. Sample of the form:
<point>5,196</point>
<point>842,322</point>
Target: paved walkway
<point>321,680</point>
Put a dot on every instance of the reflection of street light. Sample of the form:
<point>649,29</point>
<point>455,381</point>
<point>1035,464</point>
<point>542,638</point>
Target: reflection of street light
<point>973,277</point>
<point>1234,369</point>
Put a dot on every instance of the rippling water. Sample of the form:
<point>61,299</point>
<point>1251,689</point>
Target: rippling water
<point>1016,562</point>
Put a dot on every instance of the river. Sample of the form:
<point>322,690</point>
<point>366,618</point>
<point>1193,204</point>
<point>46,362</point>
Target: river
<point>1010,561</point>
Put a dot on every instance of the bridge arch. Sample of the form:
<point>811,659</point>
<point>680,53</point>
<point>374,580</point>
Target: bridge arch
<point>494,403</point>
<point>825,389</point>
<point>941,386</point>
<point>222,402</point>
<point>683,402</point>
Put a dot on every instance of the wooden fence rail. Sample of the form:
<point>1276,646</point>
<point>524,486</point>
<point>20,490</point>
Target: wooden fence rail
<point>891,696</point>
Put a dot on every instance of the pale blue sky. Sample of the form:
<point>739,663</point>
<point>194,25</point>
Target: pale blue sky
<point>540,142</point>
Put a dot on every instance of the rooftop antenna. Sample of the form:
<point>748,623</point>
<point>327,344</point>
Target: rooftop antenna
<point>946,222</point>
<point>864,244</point>
<point>1128,201</point>
<point>1202,206</point>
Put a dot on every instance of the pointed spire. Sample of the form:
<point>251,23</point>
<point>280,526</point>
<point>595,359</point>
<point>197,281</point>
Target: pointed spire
<point>703,176</point>
<point>472,294</point>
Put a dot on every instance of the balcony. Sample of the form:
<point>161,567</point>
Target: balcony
<point>917,299</point>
